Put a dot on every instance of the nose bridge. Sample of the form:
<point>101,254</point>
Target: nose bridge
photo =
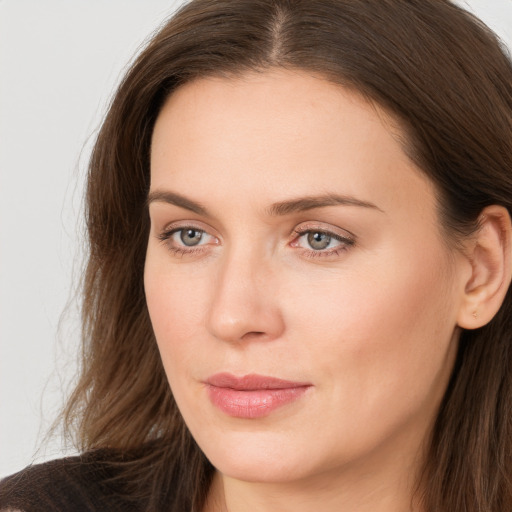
<point>243,304</point>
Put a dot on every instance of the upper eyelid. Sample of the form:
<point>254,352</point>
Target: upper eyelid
<point>184,224</point>
<point>306,227</point>
<point>330,234</point>
<point>167,233</point>
<point>299,229</point>
<point>343,240</point>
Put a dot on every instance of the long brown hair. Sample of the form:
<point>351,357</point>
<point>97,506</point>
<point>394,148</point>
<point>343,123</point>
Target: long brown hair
<point>443,75</point>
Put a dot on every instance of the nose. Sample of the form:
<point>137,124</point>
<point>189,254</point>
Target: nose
<point>244,303</point>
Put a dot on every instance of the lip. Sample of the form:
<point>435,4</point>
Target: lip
<point>252,396</point>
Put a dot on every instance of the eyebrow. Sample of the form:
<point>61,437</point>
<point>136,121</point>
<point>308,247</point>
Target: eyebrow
<point>277,209</point>
<point>163,196</point>
<point>312,202</point>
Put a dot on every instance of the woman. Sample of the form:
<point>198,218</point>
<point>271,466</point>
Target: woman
<point>300,260</point>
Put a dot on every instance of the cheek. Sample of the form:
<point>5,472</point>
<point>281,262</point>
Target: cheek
<point>382,334</point>
<point>176,302</point>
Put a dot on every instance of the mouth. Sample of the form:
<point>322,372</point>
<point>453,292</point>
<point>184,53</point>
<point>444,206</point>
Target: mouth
<point>252,396</point>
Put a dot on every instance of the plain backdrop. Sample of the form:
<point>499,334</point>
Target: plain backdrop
<point>59,63</point>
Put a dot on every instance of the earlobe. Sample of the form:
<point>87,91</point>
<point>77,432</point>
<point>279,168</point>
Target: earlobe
<point>490,254</point>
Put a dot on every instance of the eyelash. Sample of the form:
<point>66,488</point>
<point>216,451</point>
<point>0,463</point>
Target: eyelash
<point>345,242</point>
<point>181,251</point>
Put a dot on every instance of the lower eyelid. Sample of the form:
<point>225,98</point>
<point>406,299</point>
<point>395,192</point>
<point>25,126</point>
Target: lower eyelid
<point>340,238</point>
<point>311,254</point>
<point>175,246</point>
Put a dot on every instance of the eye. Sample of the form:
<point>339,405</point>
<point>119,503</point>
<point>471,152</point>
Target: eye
<point>186,239</point>
<point>320,242</point>
<point>190,236</point>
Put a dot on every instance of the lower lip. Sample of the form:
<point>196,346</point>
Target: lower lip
<point>252,404</point>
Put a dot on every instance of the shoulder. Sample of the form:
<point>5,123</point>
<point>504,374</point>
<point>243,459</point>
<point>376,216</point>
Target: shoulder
<point>85,483</point>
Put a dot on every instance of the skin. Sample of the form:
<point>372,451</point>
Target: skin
<point>370,324</point>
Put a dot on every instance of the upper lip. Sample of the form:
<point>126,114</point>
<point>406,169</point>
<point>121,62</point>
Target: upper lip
<point>252,382</point>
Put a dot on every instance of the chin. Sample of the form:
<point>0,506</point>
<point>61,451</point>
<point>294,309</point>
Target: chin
<point>261,470</point>
<point>265,457</point>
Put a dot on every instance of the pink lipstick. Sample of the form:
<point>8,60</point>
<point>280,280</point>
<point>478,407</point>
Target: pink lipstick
<point>252,396</point>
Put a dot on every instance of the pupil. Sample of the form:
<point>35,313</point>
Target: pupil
<point>191,236</point>
<point>319,240</point>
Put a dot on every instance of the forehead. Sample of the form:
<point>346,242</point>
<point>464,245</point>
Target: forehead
<point>280,132</point>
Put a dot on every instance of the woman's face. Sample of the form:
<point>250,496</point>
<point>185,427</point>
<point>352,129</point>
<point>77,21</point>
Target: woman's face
<point>302,297</point>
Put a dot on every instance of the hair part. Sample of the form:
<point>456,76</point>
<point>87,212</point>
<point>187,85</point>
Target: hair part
<point>443,76</point>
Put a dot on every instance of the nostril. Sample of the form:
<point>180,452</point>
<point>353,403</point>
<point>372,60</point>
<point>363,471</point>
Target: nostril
<point>253,334</point>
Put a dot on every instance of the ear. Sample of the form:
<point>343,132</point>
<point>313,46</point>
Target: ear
<point>490,254</point>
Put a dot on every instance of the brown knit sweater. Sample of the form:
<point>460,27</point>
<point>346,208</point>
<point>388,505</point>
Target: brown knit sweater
<point>75,484</point>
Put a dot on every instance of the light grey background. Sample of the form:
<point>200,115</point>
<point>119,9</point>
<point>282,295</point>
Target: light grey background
<point>59,63</point>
